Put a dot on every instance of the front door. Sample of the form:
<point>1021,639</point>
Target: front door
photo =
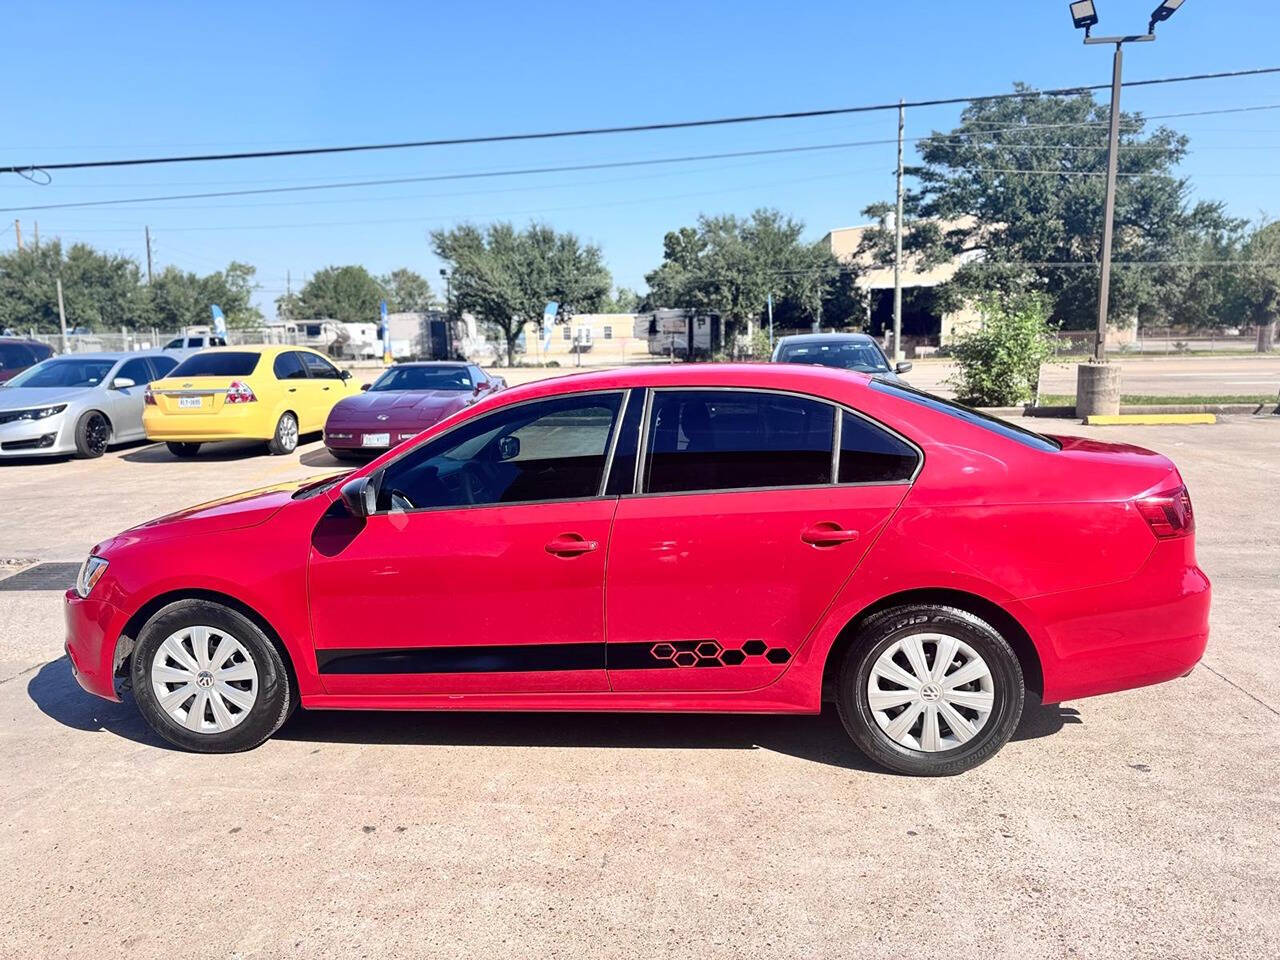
<point>740,536</point>
<point>483,569</point>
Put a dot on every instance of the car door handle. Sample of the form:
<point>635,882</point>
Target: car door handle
<point>293,389</point>
<point>828,534</point>
<point>571,545</point>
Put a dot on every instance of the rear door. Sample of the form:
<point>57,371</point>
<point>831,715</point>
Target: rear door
<point>327,388</point>
<point>298,389</point>
<point>739,534</point>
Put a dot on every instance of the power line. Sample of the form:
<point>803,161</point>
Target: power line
<point>28,169</point>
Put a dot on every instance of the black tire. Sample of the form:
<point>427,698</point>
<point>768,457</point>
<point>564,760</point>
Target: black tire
<point>275,698</point>
<point>887,628</point>
<point>93,434</point>
<point>286,437</point>
<point>184,451</point>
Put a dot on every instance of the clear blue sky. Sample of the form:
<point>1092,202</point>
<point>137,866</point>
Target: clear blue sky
<point>94,80</point>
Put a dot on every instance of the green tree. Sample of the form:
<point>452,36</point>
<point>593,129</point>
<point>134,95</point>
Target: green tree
<point>998,363</point>
<point>506,277</point>
<point>347,294</point>
<point>624,300</point>
<point>407,291</point>
<point>179,298</point>
<point>1022,182</point>
<point>730,266</point>
<point>1255,285</point>
<point>101,291</point>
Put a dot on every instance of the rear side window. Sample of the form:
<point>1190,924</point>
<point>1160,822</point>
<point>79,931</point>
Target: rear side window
<point>288,366</point>
<point>15,356</point>
<point>162,365</point>
<point>41,351</point>
<point>729,440</point>
<point>224,363</point>
<point>869,454</point>
<point>959,411</point>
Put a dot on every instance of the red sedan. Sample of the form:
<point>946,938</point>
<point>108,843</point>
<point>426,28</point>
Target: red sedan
<point>695,538</point>
<point>400,404</point>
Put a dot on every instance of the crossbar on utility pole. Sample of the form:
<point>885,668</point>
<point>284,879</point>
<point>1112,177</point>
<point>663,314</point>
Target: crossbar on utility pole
<point>897,243</point>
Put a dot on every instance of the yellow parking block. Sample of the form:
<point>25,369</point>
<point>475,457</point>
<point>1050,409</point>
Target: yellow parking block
<point>1148,419</point>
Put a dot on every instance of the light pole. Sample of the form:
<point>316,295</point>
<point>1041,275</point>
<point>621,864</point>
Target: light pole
<point>448,291</point>
<point>1098,385</point>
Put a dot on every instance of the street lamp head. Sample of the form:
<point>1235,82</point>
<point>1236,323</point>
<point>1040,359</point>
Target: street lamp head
<point>1163,12</point>
<point>1084,15</point>
<point>443,272</point>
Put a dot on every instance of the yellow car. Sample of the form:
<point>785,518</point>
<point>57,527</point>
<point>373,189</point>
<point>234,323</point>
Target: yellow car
<point>271,393</point>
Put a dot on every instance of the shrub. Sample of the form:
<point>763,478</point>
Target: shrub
<point>998,364</point>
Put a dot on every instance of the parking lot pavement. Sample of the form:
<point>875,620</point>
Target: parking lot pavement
<point>1137,825</point>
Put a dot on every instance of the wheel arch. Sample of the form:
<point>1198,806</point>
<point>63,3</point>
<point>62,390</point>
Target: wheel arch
<point>129,634</point>
<point>1005,623</point>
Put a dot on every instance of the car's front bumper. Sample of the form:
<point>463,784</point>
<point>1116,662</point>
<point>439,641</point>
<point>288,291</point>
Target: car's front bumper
<point>38,438</point>
<point>93,634</point>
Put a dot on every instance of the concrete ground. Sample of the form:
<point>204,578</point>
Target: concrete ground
<point>1142,824</point>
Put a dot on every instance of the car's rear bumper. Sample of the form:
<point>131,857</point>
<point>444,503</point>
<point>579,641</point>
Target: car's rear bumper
<point>352,438</point>
<point>1149,629</point>
<point>93,631</point>
<point>232,422</point>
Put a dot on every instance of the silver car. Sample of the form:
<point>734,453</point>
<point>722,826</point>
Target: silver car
<point>78,403</point>
<point>846,351</point>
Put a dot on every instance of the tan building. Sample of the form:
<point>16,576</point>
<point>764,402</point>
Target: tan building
<point>924,323</point>
<point>600,338</point>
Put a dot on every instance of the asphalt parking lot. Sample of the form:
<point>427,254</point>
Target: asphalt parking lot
<point>1142,824</point>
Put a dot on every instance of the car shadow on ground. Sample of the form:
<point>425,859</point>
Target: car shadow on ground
<point>221,451</point>
<point>321,457</point>
<point>819,739</point>
<point>115,448</point>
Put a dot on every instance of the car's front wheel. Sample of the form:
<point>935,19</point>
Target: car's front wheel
<point>93,434</point>
<point>207,679</point>
<point>930,690</point>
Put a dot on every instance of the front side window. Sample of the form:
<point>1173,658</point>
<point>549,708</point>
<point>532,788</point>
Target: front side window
<point>15,356</point>
<point>135,370</point>
<point>546,450</point>
<point>223,363</point>
<point>730,439</point>
<point>319,367</point>
<point>871,454</point>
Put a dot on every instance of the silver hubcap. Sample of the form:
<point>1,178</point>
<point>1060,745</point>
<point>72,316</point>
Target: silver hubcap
<point>288,433</point>
<point>930,692</point>
<point>205,679</point>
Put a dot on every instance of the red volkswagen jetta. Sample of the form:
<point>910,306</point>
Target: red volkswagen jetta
<point>697,538</point>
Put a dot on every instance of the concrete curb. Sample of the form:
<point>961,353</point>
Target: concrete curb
<point>1069,413</point>
<point>1148,419</point>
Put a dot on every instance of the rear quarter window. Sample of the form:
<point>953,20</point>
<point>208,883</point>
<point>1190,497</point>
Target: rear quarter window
<point>977,418</point>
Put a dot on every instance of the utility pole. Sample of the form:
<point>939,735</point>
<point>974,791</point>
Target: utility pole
<point>62,316</point>
<point>37,234</point>
<point>770,323</point>
<point>897,244</point>
<point>148,233</point>
<point>17,232</point>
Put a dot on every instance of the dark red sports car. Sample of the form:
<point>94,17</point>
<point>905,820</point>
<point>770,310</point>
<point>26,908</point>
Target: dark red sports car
<point>402,403</point>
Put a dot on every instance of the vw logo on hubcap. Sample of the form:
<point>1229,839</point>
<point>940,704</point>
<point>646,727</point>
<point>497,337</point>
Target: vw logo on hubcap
<point>204,679</point>
<point>930,693</point>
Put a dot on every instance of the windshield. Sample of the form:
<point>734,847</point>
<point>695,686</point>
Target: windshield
<point>424,378</point>
<point>64,372</point>
<point>847,355</point>
<point>230,363</point>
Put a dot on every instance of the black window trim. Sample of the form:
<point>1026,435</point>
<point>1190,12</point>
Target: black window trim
<point>642,455</point>
<point>609,447</point>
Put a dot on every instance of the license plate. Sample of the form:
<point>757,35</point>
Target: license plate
<point>190,402</point>
<point>376,440</point>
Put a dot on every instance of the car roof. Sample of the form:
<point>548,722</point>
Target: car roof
<point>110,355</point>
<point>828,338</point>
<point>264,348</point>
<point>432,363</point>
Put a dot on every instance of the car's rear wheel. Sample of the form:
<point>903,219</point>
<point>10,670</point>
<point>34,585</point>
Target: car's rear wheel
<point>286,438</point>
<point>184,450</point>
<point>93,433</point>
<point>930,690</point>
<point>207,679</point>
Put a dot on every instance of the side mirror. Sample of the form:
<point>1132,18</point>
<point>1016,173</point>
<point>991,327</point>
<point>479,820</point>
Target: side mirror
<point>476,387</point>
<point>344,374</point>
<point>122,383</point>
<point>508,448</point>
<point>365,386</point>
<point>903,366</point>
<point>361,495</point>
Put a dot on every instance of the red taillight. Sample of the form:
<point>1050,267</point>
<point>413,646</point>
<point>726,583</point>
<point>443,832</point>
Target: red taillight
<point>239,393</point>
<point>1168,513</point>
<point>149,398</point>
